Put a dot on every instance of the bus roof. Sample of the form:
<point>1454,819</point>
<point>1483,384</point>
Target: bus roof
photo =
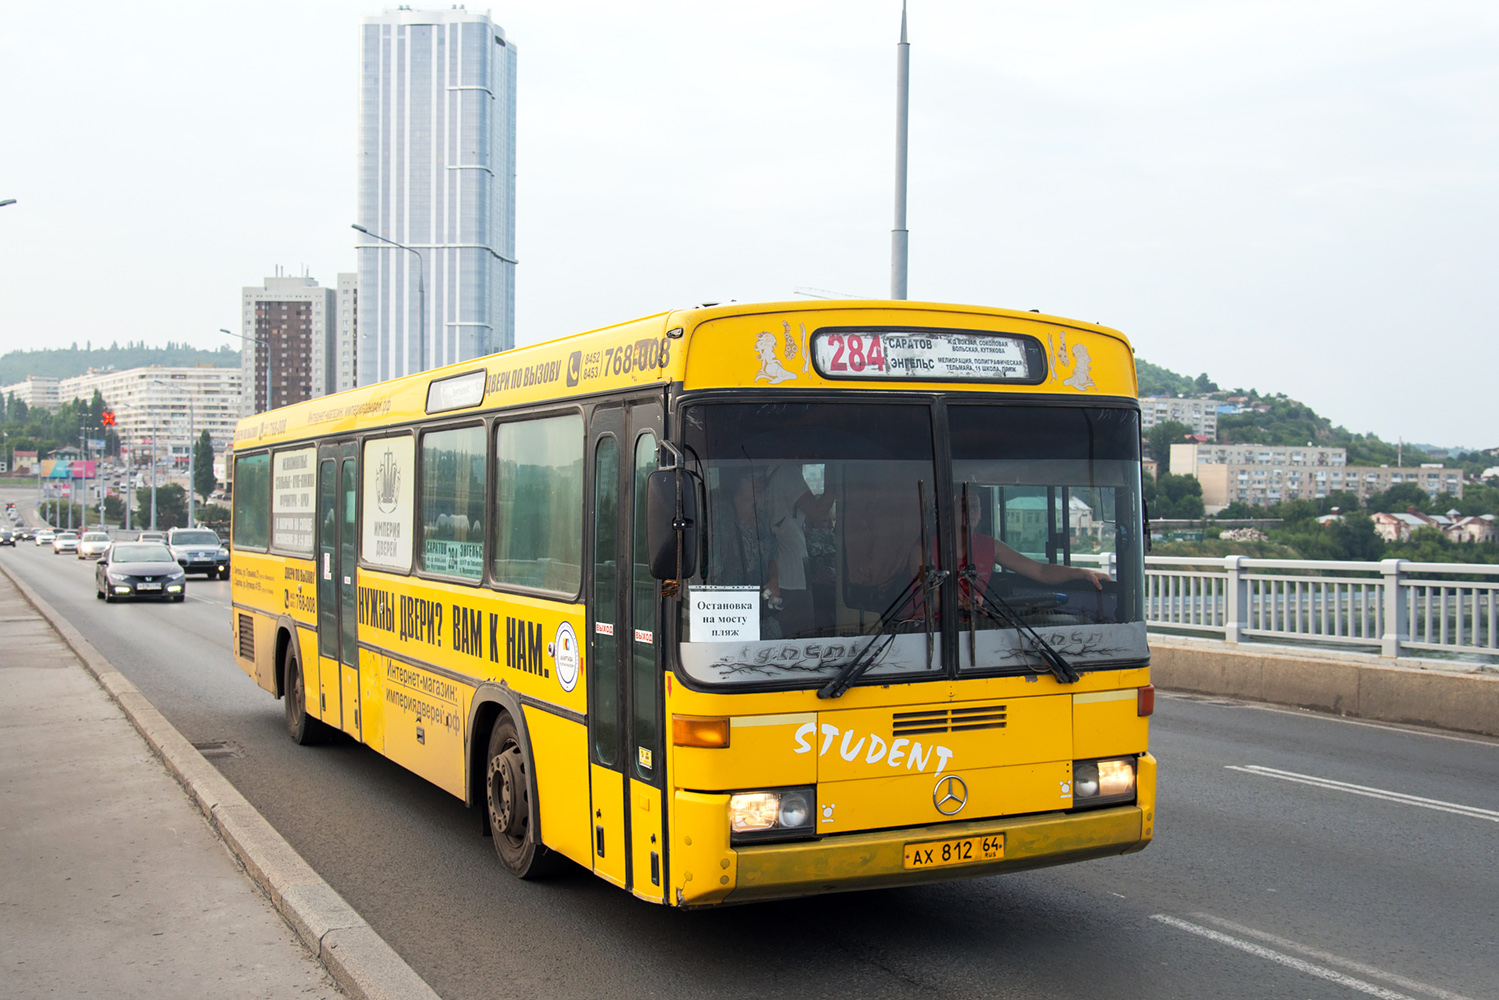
<point>727,345</point>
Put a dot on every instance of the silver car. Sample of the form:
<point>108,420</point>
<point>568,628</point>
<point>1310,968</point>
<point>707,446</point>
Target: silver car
<point>93,544</point>
<point>65,541</point>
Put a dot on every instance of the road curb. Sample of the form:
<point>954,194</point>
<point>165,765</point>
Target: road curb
<point>354,954</point>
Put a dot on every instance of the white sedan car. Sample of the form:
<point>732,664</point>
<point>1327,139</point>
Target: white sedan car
<point>46,536</point>
<point>64,541</point>
<point>93,544</point>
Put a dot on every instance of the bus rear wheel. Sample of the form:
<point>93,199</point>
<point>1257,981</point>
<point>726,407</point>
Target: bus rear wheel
<point>507,791</point>
<point>303,729</point>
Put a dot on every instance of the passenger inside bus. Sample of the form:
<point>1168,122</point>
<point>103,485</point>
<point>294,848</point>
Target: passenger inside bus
<point>983,551</point>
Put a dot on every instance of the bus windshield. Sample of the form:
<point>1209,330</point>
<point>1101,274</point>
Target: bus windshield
<point>823,533</point>
<point>1046,503</point>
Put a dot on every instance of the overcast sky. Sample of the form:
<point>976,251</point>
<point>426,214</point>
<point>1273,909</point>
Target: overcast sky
<point>1295,196</point>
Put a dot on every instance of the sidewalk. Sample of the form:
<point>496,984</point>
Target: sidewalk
<point>113,883</point>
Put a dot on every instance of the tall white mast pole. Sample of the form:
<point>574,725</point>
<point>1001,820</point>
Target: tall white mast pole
<point>900,236</point>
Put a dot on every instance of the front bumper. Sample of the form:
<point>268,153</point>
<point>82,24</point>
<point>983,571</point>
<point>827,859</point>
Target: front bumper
<point>130,590</point>
<point>875,860</point>
<point>708,871</point>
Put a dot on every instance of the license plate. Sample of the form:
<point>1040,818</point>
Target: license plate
<point>963,851</point>
<point>148,586</point>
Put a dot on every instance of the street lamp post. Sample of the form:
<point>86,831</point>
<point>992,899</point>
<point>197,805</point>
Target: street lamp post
<point>421,286</point>
<point>267,345</point>
<point>192,449</point>
<point>154,432</point>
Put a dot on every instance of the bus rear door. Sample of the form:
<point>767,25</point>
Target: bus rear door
<point>338,646</point>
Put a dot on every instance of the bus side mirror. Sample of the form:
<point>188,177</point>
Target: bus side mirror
<point>667,492</point>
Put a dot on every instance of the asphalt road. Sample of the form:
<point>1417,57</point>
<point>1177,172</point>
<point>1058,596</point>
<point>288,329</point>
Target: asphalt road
<point>1296,855</point>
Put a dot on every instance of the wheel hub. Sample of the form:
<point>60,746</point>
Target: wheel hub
<point>505,793</point>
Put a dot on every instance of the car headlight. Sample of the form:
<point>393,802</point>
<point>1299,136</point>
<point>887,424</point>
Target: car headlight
<point>773,814</point>
<point>1103,782</point>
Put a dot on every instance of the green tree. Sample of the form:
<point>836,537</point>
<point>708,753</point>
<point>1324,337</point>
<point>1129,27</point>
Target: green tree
<point>171,507</point>
<point>1174,497</point>
<point>17,409</point>
<point>1399,498</point>
<point>1161,437</point>
<point>214,515</point>
<point>1338,501</point>
<point>204,482</point>
<point>114,510</point>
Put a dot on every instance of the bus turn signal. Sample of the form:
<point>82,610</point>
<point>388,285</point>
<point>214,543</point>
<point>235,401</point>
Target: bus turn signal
<point>699,731</point>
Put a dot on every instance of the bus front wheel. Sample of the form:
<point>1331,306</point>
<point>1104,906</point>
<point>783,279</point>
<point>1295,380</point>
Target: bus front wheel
<point>507,789</point>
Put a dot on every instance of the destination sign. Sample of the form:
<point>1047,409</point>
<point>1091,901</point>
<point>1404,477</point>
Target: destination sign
<point>928,355</point>
<point>457,391</point>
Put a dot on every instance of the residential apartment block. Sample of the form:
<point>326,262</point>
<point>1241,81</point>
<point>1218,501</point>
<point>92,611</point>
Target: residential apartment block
<point>290,327</point>
<point>1267,483</point>
<point>168,405</point>
<point>37,390</point>
<point>1198,412</point>
<point>1266,474</point>
<point>1189,455</point>
<point>346,359</point>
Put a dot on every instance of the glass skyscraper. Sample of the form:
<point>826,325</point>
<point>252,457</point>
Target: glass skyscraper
<point>437,174</point>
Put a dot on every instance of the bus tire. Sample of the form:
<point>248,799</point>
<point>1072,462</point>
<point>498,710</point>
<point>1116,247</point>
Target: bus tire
<point>303,729</point>
<point>507,796</point>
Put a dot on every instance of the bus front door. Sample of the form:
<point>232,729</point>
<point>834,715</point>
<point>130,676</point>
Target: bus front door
<point>338,647</point>
<point>624,688</point>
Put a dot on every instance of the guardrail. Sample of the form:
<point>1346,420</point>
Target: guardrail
<point>1398,606</point>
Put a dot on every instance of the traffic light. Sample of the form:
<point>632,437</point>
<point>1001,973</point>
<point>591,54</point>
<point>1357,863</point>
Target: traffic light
<point>109,418</point>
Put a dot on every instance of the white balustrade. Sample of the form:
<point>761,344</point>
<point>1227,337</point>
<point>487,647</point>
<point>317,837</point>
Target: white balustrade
<point>1397,606</point>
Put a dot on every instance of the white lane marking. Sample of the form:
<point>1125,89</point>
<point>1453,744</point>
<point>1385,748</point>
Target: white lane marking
<point>1290,961</point>
<point>1347,963</point>
<point>1374,793</point>
<point>1320,717</point>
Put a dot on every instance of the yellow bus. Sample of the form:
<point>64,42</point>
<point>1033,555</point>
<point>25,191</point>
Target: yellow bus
<point>731,603</point>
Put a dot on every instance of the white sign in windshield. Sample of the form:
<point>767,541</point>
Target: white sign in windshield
<point>724,614</point>
<point>927,355</point>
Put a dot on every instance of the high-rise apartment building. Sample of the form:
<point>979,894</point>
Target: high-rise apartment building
<point>168,406</point>
<point>289,325</point>
<point>436,175</point>
<point>347,338</point>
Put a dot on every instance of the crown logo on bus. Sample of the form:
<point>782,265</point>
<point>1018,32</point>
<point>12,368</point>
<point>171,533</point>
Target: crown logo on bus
<point>387,483</point>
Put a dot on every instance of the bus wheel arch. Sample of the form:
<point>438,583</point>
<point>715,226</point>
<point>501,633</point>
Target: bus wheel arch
<point>303,728</point>
<point>506,787</point>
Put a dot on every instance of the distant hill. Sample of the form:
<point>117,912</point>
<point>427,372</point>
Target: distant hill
<point>65,362</point>
<point>1288,422</point>
<point>1157,381</point>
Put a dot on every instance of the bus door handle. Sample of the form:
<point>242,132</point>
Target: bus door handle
<point>598,833</point>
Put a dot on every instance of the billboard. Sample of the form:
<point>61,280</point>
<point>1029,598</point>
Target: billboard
<point>62,469</point>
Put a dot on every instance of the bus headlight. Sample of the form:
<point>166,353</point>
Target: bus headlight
<point>779,814</point>
<point>1102,782</point>
<point>753,811</point>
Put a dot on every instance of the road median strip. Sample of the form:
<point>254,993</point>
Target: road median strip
<point>362,963</point>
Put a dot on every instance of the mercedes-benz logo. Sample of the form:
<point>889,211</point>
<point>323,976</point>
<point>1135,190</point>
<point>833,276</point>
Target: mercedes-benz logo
<point>950,795</point>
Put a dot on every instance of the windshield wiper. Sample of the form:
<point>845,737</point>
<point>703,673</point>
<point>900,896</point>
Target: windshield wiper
<point>926,581</point>
<point>995,607</point>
